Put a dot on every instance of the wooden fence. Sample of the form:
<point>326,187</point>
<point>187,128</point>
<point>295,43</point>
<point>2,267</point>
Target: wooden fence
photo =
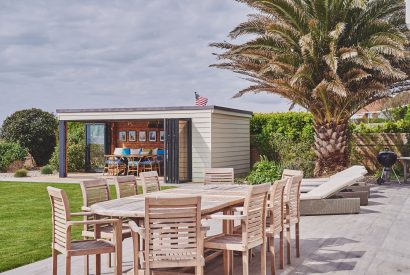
<point>365,147</point>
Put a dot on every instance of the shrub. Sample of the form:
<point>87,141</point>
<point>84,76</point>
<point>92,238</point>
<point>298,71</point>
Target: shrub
<point>21,173</point>
<point>46,170</point>
<point>33,129</point>
<point>264,171</point>
<point>297,155</point>
<point>9,153</point>
<point>76,148</point>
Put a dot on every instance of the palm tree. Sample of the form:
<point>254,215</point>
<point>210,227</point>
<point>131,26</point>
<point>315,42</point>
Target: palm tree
<point>332,57</point>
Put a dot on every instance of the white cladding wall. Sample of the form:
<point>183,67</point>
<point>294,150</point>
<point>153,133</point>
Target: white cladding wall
<point>231,142</point>
<point>201,145</point>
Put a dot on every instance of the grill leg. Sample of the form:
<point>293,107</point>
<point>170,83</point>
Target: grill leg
<point>394,172</point>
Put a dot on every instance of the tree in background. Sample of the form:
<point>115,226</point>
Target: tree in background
<point>33,129</point>
<point>331,57</point>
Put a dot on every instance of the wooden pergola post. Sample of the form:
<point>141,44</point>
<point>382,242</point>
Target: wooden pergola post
<point>62,149</point>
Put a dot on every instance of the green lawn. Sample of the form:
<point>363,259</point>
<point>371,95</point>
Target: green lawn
<point>25,221</point>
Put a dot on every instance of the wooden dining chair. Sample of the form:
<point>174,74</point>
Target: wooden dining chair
<point>275,213</point>
<point>125,186</point>
<point>253,225</point>
<point>113,166</point>
<point>61,238</point>
<point>150,182</point>
<point>287,173</point>
<point>292,213</point>
<point>133,165</point>
<point>172,236</point>
<point>95,191</point>
<point>219,176</point>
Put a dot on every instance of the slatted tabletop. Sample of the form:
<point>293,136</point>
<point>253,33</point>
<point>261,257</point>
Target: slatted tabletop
<point>214,199</point>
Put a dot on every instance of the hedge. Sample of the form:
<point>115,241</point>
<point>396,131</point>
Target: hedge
<point>287,138</point>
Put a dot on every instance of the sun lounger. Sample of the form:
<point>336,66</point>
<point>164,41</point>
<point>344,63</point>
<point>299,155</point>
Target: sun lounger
<point>327,199</point>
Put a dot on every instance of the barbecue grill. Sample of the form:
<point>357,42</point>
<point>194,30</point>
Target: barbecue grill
<point>387,159</point>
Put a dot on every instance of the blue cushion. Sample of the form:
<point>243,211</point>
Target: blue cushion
<point>160,152</point>
<point>125,151</point>
<point>133,162</point>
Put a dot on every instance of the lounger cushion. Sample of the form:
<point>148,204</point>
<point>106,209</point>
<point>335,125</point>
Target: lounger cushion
<point>330,187</point>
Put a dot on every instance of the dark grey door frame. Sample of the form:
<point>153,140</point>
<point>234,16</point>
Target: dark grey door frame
<point>172,150</point>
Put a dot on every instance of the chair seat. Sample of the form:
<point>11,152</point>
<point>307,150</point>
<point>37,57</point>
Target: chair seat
<point>113,161</point>
<point>291,221</point>
<point>89,247</point>
<point>270,231</point>
<point>225,242</point>
<point>147,162</point>
<point>133,162</point>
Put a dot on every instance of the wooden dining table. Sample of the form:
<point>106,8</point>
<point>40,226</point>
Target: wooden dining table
<point>214,198</point>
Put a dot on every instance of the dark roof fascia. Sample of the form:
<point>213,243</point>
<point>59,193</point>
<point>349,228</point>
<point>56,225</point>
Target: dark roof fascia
<point>153,109</point>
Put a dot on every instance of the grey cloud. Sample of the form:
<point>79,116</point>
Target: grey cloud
<point>79,54</point>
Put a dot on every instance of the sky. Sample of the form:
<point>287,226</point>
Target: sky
<point>106,53</point>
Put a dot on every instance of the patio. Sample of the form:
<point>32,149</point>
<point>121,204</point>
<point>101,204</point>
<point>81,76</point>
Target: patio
<point>363,243</point>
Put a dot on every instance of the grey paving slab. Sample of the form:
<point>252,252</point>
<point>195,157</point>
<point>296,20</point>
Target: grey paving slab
<point>376,241</point>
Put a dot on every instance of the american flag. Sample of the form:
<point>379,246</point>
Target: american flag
<point>200,100</point>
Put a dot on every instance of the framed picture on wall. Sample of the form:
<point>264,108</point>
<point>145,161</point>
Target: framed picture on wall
<point>142,136</point>
<point>152,135</point>
<point>161,135</point>
<point>132,135</point>
<point>122,135</point>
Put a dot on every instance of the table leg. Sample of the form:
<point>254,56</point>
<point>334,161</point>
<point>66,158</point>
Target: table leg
<point>228,254</point>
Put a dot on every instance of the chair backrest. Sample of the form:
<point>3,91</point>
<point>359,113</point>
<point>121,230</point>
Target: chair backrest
<point>95,191</point>
<point>219,176</point>
<point>287,173</point>
<point>255,209</point>
<point>60,214</point>
<point>293,195</point>
<point>172,232</point>
<point>125,186</point>
<point>150,182</point>
<point>276,198</point>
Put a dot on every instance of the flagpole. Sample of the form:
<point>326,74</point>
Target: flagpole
<point>408,13</point>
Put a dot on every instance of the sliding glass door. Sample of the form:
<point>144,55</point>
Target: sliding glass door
<point>95,147</point>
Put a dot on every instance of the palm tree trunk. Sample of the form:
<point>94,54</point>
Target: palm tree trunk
<point>330,147</point>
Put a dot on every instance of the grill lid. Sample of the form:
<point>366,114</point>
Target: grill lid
<point>387,158</point>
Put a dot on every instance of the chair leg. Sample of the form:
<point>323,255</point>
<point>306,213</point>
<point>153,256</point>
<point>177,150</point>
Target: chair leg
<point>199,270</point>
<point>98,264</point>
<point>288,243</point>
<point>67,265</point>
<point>297,235</point>
<point>245,262</point>
<point>55,254</point>
<point>281,254</point>
<point>86,265</point>
<point>263,257</point>
<point>271,246</point>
